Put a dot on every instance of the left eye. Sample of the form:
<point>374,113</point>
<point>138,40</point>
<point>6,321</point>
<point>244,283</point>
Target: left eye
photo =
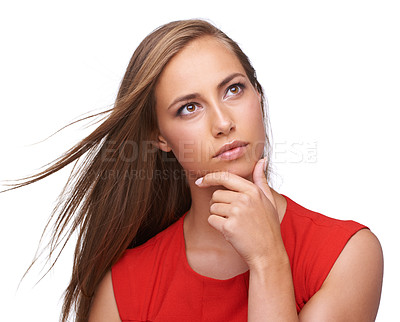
<point>233,90</point>
<point>187,109</point>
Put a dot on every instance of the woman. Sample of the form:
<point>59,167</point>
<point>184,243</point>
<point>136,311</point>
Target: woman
<point>176,219</point>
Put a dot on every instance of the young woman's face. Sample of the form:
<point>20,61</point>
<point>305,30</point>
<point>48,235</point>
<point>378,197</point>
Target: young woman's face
<point>205,101</point>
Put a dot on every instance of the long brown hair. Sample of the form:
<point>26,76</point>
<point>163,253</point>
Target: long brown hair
<point>122,190</point>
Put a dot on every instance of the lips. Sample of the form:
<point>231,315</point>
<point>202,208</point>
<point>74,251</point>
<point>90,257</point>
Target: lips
<point>230,146</point>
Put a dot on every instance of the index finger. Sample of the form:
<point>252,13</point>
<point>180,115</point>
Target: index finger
<point>229,180</point>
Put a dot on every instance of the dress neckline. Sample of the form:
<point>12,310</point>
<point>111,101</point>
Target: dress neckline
<point>191,271</point>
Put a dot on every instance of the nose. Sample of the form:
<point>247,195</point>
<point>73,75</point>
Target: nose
<point>222,121</point>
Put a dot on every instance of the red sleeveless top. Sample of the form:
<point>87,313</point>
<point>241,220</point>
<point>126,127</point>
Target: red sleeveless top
<point>154,282</point>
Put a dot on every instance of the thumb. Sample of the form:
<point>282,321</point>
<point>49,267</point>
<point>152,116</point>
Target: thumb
<point>260,180</point>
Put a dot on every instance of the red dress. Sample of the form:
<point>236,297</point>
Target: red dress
<point>154,282</point>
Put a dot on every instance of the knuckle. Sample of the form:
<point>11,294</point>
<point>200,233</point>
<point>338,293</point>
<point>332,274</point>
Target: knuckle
<point>228,228</point>
<point>235,210</point>
<point>216,175</point>
<point>254,191</point>
<point>244,198</point>
<point>224,175</point>
<point>215,195</point>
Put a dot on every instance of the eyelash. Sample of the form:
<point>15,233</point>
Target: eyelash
<point>238,84</point>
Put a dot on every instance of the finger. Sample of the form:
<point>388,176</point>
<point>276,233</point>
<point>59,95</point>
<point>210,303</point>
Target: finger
<point>225,196</point>
<point>268,193</point>
<point>260,179</point>
<point>229,180</point>
<point>221,209</point>
<point>217,222</point>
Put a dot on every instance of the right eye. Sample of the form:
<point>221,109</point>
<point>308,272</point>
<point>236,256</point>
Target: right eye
<point>187,109</point>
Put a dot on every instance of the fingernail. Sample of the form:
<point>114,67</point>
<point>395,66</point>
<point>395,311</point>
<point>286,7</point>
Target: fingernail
<point>199,181</point>
<point>265,164</point>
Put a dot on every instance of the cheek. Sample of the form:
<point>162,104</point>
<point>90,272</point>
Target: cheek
<point>252,116</point>
<point>187,146</point>
<point>253,124</point>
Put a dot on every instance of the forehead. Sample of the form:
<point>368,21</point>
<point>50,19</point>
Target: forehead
<point>202,63</point>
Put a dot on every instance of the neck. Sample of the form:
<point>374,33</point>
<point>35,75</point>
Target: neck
<point>196,220</point>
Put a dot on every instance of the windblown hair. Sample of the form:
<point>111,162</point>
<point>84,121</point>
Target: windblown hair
<point>123,190</point>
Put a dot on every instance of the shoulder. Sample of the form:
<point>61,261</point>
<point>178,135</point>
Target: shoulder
<point>361,259</point>
<point>313,243</point>
<point>304,217</point>
<point>337,266</point>
<point>104,307</point>
<point>316,232</point>
<point>351,291</point>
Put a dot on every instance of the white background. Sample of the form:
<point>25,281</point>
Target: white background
<point>330,70</point>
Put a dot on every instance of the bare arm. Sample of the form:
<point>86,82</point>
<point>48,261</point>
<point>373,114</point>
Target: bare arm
<point>271,292</point>
<point>246,215</point>
<point>104,307</point>
<point>352,290</point>
<point>350,293</point>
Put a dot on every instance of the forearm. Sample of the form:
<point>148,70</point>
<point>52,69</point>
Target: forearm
<point>271,293</point>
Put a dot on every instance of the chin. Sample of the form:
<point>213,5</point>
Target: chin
<point>242,169</point>
<point>244,173</point>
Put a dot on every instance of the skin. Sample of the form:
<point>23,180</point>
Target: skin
<point>214,117</point>
<point>234,210</point>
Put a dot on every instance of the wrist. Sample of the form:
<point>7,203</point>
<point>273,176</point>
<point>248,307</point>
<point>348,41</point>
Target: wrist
<point>276,261</point>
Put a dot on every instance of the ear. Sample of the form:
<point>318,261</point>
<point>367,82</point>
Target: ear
<point>162,144</point>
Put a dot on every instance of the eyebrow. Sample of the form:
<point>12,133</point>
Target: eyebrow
<point>188,97</point>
